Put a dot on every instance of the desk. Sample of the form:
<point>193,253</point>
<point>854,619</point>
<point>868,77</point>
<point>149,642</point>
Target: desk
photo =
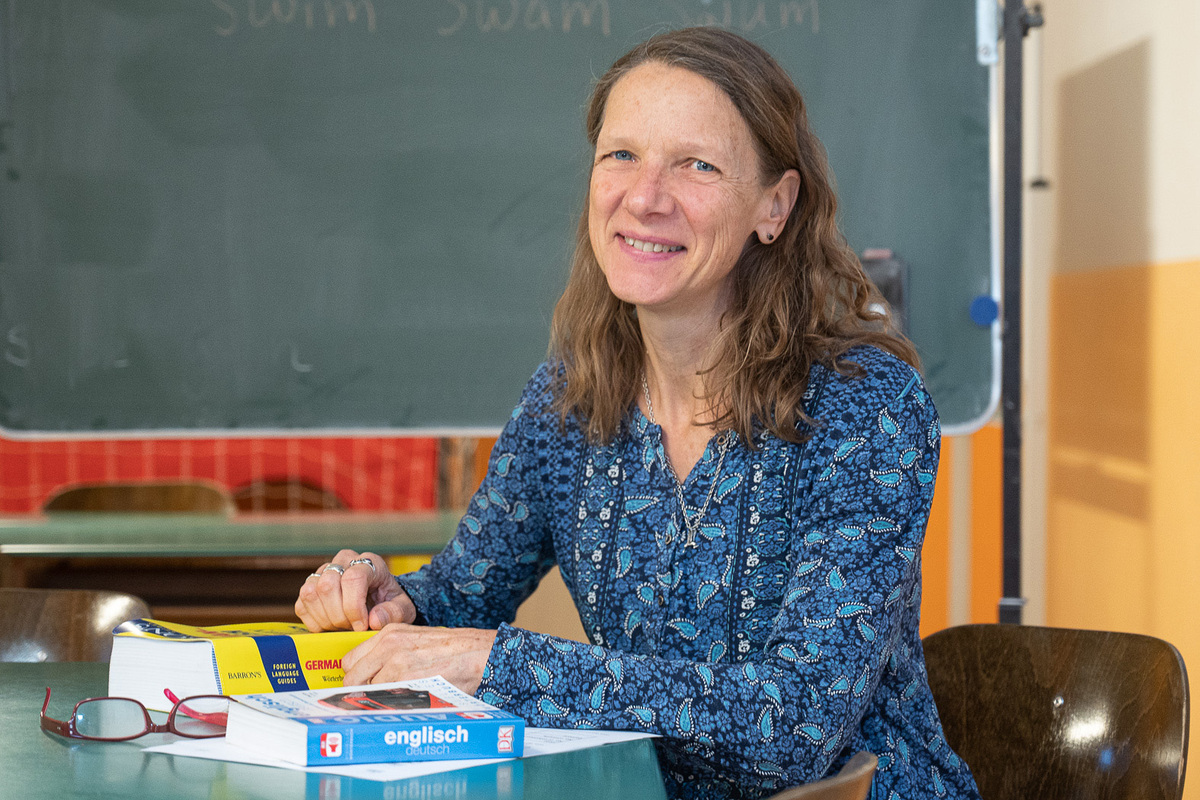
<point>36,765</point>
<point>203,568</point>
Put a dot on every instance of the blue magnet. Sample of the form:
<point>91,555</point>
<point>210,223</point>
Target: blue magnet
<point>984,310</point>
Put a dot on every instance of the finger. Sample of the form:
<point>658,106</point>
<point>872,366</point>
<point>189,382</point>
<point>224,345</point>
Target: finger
<point>344,601</point>
<point>375,567</point>
<point>363,663</point>
<point>329,605</point>
<point>365,582</point>
<point>386,599</point>
<point>345,556</point>
<point>301,607</point>
<point>306,618</point>
<point>350,662</point>
<point>373,564</point>
<point>398,609</point>
<point>308,604</point>
<point>355,585</point>
<point>405,652</point>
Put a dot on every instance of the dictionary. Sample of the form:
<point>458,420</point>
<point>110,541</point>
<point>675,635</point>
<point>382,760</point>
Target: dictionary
<point>418,720</point>
<point>150,656</point>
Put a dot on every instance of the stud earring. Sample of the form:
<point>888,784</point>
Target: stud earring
<point>770,237</point>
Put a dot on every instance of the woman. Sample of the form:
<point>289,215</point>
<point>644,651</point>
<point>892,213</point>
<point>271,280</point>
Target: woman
<point>728,455</point>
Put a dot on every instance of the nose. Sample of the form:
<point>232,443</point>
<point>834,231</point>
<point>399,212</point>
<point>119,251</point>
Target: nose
<point>649,193</point>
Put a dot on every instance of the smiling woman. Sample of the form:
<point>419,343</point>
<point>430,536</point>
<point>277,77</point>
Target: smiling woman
<point>728,454</point>
<point>675,193</point>
<point>798,295</point>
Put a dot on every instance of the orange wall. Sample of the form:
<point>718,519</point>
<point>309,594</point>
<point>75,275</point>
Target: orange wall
<point>1123,551</point>
<point>935,555</point>
<point>1100,440</point>
<point>982,536</point>
<point>986,524</point>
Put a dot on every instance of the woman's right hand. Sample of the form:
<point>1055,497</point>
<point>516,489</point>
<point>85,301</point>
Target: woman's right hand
<point>359,597</point>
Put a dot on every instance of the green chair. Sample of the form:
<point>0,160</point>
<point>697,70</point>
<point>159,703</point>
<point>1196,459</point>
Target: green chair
<point>1059,714</point>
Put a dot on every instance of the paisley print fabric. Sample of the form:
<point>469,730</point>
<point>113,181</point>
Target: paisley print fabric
<point>765,652</point>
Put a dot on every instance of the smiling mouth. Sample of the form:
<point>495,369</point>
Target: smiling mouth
<point>651,247</point>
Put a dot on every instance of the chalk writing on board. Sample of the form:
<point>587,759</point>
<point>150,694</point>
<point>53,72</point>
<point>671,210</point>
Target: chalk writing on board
<point>528,14</point>
<point>796,12</point>
<point>746,16</point>
<point>312,14</point>
<point>297,364</point>
<point>17,351</point>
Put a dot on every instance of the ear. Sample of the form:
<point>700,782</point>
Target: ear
<point>781,198</point>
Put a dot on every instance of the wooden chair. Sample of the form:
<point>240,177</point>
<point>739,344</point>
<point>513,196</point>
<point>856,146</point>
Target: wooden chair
<point>1059,714</point>
<point>285,495</point>
<point>853,782</point>
<point>62,624</point>
<point>149,497</point>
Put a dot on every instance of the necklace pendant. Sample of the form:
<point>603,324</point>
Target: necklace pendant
<point>691,526</point>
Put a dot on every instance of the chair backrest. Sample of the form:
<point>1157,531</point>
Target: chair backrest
<point>149,497</point>
<point>62,624</point>
<point>1059,714</point>
<point>285,495</point>
<point>853,782</point>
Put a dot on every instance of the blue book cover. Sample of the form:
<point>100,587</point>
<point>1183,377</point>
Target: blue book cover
<point>421,720</point>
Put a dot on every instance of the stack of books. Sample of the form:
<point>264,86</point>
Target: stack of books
<point>288,701</point>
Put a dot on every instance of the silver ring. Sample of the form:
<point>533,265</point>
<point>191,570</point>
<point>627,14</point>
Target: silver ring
<point>338,568</point>
<point>366,561</point>
<point>313,575</point>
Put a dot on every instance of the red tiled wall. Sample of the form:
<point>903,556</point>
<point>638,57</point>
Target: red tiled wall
<point>370,474</point>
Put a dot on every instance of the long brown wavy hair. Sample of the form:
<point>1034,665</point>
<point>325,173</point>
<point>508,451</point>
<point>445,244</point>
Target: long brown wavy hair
<point>802,300</point>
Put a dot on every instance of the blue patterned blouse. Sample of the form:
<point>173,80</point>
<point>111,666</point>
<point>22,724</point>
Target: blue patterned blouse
<point>765,652</point>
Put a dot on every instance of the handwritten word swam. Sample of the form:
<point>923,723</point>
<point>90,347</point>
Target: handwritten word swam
<point>309,13</point>
<point>530,14</point>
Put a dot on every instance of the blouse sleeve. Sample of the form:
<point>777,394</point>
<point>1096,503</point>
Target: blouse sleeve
<point>501,548</point>
<point>782,716</point>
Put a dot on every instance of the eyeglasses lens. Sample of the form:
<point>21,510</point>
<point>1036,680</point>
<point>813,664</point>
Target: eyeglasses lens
<point>110,718</point>
<point>201,716</point>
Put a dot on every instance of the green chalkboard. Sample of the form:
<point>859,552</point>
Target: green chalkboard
<point>357,214</point>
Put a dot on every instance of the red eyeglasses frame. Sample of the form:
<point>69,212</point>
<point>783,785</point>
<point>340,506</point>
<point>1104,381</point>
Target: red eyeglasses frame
<point>66,728</point>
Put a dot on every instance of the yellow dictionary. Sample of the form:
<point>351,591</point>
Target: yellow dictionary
<point>150,656</point>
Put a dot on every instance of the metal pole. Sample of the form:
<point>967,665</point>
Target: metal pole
<point>1017,21</point>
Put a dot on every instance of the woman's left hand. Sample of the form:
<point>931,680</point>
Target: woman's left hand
<point>403,652</point>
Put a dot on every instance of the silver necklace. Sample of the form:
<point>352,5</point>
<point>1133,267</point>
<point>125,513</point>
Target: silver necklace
<point>691,525</point>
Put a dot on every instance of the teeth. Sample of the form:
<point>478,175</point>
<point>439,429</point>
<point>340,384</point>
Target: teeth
<point>651,247</point>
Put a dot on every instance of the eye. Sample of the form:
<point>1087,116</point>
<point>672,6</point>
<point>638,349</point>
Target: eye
<point>703,166</point>
<point>621,155</point>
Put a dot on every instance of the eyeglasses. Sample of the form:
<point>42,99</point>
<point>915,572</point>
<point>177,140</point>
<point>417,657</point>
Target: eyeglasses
<point>118,719</point>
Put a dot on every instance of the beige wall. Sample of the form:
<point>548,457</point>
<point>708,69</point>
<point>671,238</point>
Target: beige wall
<point>1113,249</point>
<point>1082,38</point>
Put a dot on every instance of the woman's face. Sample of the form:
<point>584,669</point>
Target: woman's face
<point>675,192</point>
